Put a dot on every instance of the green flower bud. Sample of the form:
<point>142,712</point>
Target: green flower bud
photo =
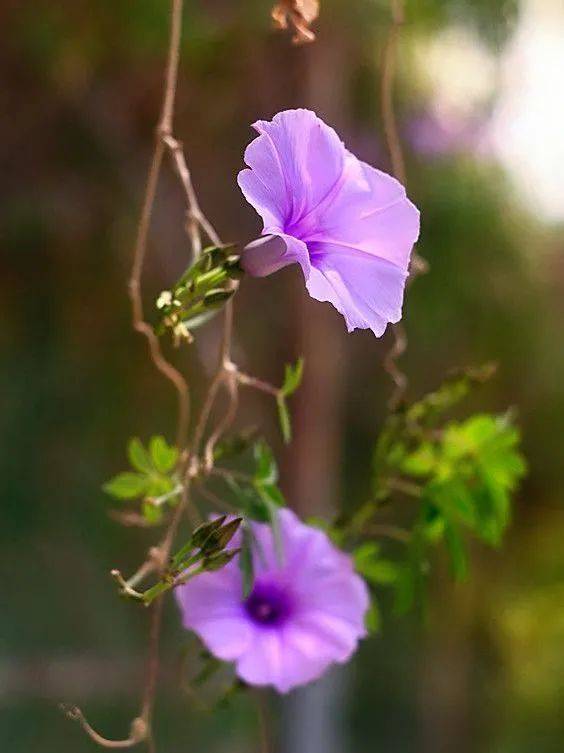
<point>219,560</point>
<point>219,538</point>
<point>201,533</point>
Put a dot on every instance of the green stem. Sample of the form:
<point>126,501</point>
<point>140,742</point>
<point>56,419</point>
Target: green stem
<point>170,580</point>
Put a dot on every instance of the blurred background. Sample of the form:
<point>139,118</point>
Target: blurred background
<point>481,115</point>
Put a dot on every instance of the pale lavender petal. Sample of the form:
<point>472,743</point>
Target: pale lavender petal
<point>365,289</point>
<point>265,185</point>
<point>268,205</point>
<point>208,596</point>
<point>269,253</point>
<point>307,553</point>
<point>371,213</point>
<point>228,638</point>
<point>309,154</point>
<point>263,663</point>
<point>275,659</point>
<point>329,636</point>
<point>344,597</point>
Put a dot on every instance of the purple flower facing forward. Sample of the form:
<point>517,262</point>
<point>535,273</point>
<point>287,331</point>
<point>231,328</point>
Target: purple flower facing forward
<point>350,226</point>
<point>305,612</point>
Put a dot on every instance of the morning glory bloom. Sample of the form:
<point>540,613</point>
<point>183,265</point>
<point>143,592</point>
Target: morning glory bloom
<point>349,226</point>
<point>306,610</point>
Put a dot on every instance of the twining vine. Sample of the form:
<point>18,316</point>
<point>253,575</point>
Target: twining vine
<point>456,475</point>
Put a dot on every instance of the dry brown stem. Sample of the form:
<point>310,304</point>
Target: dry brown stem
<point>299,15</point>
<point>393,143</point>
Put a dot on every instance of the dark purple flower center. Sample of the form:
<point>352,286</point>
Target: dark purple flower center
<point>268,604</point>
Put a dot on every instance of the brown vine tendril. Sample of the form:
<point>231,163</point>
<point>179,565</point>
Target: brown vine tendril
<point>164,140</point>
<point>418,265</point>
<point>226,376</point>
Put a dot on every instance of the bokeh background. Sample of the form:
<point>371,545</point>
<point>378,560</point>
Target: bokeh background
<point>482,117</point>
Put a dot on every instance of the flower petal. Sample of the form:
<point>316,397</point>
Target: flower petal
<point>370,213</point>
<point>275,658</point>
<point>365,289</point>
<point>228,638</point>
<point>268,201</point>
<point>304,549</point>
<point>307,153</point>
<point>210,595</point>
<point>326,636</point>
<point>342,596</point>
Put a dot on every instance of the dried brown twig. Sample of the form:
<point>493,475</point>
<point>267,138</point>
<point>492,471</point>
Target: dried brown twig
<point>418,265</point>
<point>164,140</point>
<point>299,14</point>
<point>164,129</point>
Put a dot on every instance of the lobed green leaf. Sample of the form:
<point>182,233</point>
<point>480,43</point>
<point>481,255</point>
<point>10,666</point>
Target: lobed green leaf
<point>126,485</point>
<point>163,455</point>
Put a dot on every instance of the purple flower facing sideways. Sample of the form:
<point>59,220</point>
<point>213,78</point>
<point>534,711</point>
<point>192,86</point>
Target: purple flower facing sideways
<point>349,226</point>
<point>305,612</point>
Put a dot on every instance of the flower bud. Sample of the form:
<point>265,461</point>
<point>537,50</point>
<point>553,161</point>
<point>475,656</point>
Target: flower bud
<point>202,532</point>
<point>219,538</point>
<point>217,297</point>
<point>219,560</point>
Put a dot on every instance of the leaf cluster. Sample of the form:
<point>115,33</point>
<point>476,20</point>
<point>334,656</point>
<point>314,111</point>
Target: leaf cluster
<point>153,478</point>
<point>461,474</point>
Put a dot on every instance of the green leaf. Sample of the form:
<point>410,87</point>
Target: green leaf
<point>405,590</point>
<point>266,470</point>
<point>421,462</point>
<point>284,419</point>
<point>370,565</point>
<point>448,394</point>
<point>364,555</point>
<point>410,581</point>
<point>126,485</point>
<point>457,552</point>
<point>235,444</point>
<point>138,456</point>
<point>265,478</point>
<point>292,377</point>
<point>152,513</point>
<point>382,572</point>
<point>274,521</point>
<point>273,494</point>
<point>248,500</point>
<point>372,619</point>
<point>163,455</point>
<point>432,522</point>
<point>159,485</point>
<point>246,560</point>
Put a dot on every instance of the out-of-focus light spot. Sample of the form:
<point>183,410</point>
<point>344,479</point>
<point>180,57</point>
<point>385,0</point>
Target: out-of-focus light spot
<point>457,71</point>
<point>528,123</point>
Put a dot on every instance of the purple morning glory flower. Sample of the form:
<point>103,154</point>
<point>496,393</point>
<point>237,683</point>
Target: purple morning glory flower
<point>350,227</point>
<point>305,612</point>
